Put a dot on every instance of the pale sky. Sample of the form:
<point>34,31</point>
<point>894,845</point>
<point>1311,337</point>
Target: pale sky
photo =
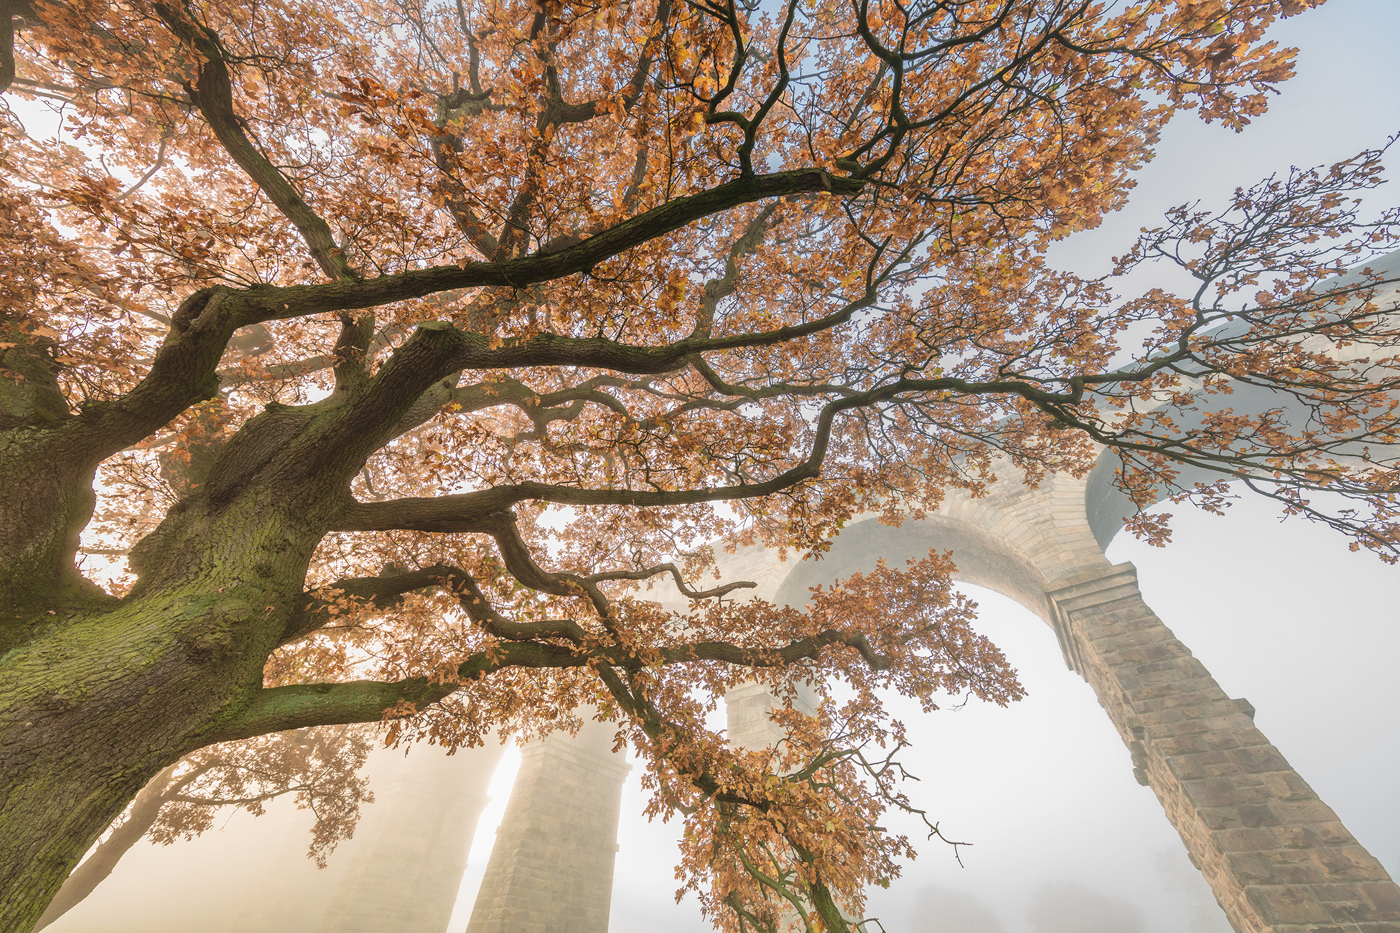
<point>1283,615</point>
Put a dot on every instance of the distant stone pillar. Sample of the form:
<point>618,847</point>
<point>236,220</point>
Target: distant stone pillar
<point>1277,857</point>
<point>405,876</point>
<point>748,713</point>
<point>551,868</point>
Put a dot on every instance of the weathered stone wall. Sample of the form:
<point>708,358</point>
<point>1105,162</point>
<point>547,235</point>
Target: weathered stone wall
<point>1277,857</point>
<point>551,868</point>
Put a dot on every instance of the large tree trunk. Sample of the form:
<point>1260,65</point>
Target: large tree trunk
<point>96,703</point>
<point>87,717</point>
<point>46,499</point>
<point>97,695</point>
<point>97,866</point>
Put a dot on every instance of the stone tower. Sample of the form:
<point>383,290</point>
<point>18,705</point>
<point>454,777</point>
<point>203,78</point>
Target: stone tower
<point>551,869</point>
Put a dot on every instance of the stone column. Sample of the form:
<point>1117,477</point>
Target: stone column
<point>551,868</point>
<point>748,715</point>
<point>749,725</point>
<point>1277,857</point>
<point>405,875</point>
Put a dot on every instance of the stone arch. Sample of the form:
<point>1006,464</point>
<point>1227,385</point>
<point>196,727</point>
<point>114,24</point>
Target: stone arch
<point>981,558</point>
<point>1276,857</point>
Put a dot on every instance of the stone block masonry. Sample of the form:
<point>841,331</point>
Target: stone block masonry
<point>551,868</point>
<point>748,711</point>
<point>399,873</point>
<point>404,877</point>
<point>1277,857</point>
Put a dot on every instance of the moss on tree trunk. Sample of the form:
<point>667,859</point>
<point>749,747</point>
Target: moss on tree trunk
<point>95,703</point>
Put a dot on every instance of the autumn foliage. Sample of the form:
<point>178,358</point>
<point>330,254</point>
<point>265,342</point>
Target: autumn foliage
<point>319,768</point>
<point>369,360</point>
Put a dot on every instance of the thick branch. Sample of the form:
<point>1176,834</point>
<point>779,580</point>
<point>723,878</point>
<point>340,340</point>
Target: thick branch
<point>10,10</point>
<point>213,93</point>
<point>277,709</point>
<point>675,572</point>
<point>382,592</point>
<point>182,373</point>
<point>269,302</point>
<point>803,649</point>
<point>437,349</point>
<point>467,511</point>
<point>388,590</point>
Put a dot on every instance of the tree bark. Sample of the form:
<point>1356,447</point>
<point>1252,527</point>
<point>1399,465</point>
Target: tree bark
<point>98,695</point>
<point>86,721</point>
<point>96,867</point>
<point>96,703</point>
<point>39,527</point>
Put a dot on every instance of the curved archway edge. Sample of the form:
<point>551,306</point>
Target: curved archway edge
<point>1277,858</point>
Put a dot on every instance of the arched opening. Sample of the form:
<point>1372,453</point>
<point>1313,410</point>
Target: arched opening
<point>981,558</point>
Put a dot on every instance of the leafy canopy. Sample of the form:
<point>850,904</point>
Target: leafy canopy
<point>475,289</point>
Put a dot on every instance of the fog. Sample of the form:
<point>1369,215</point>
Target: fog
<point>1282,614</point>
<point>1062,837</point>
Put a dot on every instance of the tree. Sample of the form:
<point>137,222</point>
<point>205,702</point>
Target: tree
<point>396,347</point>
<point>319,767</point>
